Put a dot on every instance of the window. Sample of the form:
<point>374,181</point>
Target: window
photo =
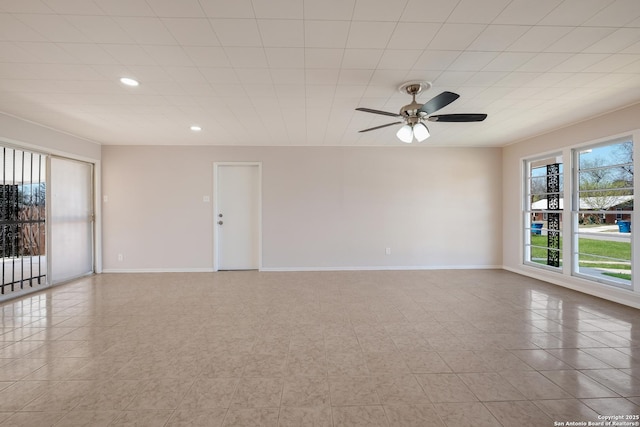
<point>543,212</point>
<point>23,258</point>
<point>602,208</point>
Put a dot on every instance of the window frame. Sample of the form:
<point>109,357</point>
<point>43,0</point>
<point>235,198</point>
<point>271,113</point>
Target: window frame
<point>576,212</point>
<point>528,212</point>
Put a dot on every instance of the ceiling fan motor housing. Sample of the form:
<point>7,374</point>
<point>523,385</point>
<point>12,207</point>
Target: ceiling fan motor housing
<point>411,112</point>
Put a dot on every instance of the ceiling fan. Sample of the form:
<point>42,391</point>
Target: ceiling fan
<point>415,115</point>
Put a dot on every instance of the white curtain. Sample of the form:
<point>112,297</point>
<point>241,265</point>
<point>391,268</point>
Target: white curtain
<point>71,220</point>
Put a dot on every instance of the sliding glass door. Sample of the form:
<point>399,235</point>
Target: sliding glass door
<point>71,219</point>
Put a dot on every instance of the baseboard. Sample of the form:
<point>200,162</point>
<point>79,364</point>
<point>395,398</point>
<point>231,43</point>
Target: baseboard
<point>158,270</point>
<point>385,268</point>
<point>293,269</point>
<point>610,293</point>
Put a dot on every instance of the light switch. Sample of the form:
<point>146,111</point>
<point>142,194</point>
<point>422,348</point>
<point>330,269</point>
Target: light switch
<point>206,199</point>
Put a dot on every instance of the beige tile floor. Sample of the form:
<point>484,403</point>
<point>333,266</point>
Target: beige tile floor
<point>399,348</point>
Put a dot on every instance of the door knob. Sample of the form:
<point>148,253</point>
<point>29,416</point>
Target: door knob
<point>219,222</point>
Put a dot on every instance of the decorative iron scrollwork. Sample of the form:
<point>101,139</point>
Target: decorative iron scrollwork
<point>553,218</point>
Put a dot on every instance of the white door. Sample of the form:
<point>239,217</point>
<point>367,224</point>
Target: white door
<point>237,216</point>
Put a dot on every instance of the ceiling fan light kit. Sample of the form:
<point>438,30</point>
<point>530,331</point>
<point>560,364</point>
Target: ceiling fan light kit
<point>414,115</point>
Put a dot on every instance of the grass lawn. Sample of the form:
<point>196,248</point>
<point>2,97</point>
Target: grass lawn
<point>591,253</point>
<point>618,275</point>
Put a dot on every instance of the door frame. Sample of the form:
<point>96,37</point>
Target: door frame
<point>216,165</point>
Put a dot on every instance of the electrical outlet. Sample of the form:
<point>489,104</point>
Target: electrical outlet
<point>387,251</point>
<point>120,257</point>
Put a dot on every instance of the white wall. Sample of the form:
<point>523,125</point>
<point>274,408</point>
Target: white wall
<point>323,207</point>
<point>29,135</point>
<point>621,122</point>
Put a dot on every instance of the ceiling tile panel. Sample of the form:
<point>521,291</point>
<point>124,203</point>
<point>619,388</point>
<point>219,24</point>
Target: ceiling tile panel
<point>285,57</point>
<point>456,36</point>
<point>378,10</point>
<point>240,9</point>
<point>517,79</point>
<point>579,62</point>
<point>323,58</point>
<point>472,61</point>
<point>329,10</point>
<point>574,12</point>
<point>192,32</point>
<point>147,73</point>
<point>208,56</point>
<point>254,76</point>
<point>12,29</point>
<point>355,78</point>
<point>544,62</point>
<point>220,75</point>
<point>100,29</point>
<point>579,39</point>
<point>12,52</point>
<point>413,35</point>
<point>246,57</point>
<point>88,53</point>
<point>398,59</point>
<point>186,74</point>
<point>452,78</point>
<point>370,35</point>
<point>74,7</point>
<point>126,8</point>
<point>477,12</point>
<point>498,37</point>
<point>633,68</point>
<point>326,34</point>
<point>634,48</point>
<point>521,12</point>
<point>291,76</point>
<point>318,76</point>
<point>31,6</point>
<point>538,39</point>
<point>613,63</point>
<point>281,33</point>
<point>508,61</point>
<point>361,58</point>
<point>428,10</point>
<point>46,53</point>
<point>146,30</point>
<point>616,41</point>
<point>237,32</point>
<point>176,9</point>
<point>129,54</point>
<point>34,28</point>
<point>169,55</point>
<point>436,59</point>
<point>278,9</point>
<point>486,78</point>
<point>618,13</point>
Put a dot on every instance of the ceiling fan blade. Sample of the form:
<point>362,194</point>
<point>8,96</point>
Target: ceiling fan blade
<point>384,113</point>
<point>378,127</point>
<point>438,102</point>
<point>458,118</point>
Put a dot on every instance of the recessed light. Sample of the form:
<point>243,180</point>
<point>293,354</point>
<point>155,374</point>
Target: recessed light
<point>195,128</point>
<point>129,81</point>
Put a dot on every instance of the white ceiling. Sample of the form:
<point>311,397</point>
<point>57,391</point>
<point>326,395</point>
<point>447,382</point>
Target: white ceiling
<point>291,72</point>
